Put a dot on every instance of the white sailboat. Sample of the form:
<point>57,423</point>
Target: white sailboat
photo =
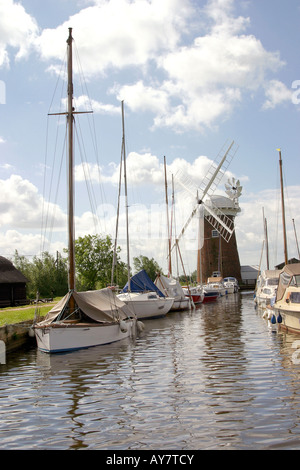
<point>145,301</point>
<point>81,319</point>
<point>170,286</point>
<point>287,302</point>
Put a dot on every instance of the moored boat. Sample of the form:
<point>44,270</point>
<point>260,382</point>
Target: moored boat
<point>85,319</point>
<point>171,287</point>
<point>144,298</point>
<point>287,303</point>
<point>98,318</point>
<point>194,293</point>
<point>215,284</point>
<point>266,288</point>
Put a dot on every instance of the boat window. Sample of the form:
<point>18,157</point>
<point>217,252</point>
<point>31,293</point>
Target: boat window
<point>285,279</point>
<point>273,282</point>
<point>152,296</point>
<point>267,291</point>
<point>295,297</point>
<point>297,280</point>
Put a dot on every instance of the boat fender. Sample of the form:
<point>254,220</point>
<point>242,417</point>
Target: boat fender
<point>123,326</point>
<point>279,318</point>
<point>273,320</point>
<point>140,326</point>
<point>31,333</point>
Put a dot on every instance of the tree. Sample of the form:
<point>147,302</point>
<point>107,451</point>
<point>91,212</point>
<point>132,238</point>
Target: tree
<point>149,265</point>
<point>46,274</point>
<point>93,260</point>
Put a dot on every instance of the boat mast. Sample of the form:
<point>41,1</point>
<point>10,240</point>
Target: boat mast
<point>283,210</point>
<point>70,166</point>
<point>126,200</point>
<point>168,224</point>
<point>296,238</point>
<point>70,122</point>
<point>266,238</point>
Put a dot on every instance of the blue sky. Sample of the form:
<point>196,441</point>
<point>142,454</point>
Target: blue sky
<point>192,74</point>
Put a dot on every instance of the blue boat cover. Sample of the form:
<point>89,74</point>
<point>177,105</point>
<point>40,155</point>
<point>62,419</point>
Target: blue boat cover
<point>141,282</point>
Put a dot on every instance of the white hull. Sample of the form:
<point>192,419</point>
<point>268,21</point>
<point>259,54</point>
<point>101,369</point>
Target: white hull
<point>215,288</point>
<point>66,337</point>
<point>229,290</point>
<point>290,319</point>
<point>181,304</point>
<point>263,301</point>
<point>145,307</point>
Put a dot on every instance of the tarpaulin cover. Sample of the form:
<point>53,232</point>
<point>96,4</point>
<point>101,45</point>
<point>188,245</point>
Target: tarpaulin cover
<point>99,305</point>
<point>141,282</point>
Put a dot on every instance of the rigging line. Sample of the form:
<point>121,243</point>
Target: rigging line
<point>45,216</point>
<point>52,172</point>
<point>57,187</point>
<point>92,127</point>
<point>87,174</point>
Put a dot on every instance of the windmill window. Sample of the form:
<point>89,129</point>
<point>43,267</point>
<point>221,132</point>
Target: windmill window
<point>214,234</point>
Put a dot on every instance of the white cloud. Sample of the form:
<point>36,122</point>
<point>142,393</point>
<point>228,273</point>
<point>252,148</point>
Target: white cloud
<point>276,93</point>
<point>17,30</point>
<point>83,102</point>
<point>186,82</point>
<point>204,81</point>
<point>118,33</point>
<point>21,205</point>
<point>249,225</point>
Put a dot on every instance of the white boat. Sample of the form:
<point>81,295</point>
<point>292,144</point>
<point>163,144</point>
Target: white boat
<point>215,284</point>
<point>147,305</point>
<point>144,298</point>
<point>231,284</point>
<point>266,287</point>
<point>287,303</point>
<point>196,294</point>
<point>171,287</point>
<point>140,293</point>
<point>84,319</point>
<point>99,318</point>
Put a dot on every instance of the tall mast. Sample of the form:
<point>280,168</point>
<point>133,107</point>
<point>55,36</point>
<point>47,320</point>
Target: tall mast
<point>283,210</point>
<point>70,166</point>
<point>296,238</point>
<point>266,238</point>
<point>70,121</point>
<point>168,224</point>
<point>126,200</point>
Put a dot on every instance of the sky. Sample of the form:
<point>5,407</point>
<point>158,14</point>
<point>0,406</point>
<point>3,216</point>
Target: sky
<point>194,76</point>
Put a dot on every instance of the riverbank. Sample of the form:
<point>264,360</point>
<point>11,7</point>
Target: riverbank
<point>16,323</point>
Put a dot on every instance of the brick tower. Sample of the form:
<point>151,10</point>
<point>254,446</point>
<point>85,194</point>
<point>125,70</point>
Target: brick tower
<point>217,254</point>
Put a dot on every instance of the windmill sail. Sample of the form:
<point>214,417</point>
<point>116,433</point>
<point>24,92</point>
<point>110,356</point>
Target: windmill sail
<point>223,224</point>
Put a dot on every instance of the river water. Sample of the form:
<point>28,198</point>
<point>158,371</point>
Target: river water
<point>215,378</point>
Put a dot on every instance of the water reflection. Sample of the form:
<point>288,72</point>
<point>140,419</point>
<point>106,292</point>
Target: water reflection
<point>211,378</point>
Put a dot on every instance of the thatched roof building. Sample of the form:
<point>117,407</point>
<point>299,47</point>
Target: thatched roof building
<point>12,284</point>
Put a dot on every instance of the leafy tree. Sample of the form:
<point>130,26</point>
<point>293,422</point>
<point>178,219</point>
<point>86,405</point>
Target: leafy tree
<point>93,260</point>
<point>149,265</point>
<point>46,275</point>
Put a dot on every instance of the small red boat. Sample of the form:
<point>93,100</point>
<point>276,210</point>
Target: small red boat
<point>193,293</point>
<point>210,297</point>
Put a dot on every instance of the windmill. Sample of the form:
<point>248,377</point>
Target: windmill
<point>220,222</point>
<point>233,189</point>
